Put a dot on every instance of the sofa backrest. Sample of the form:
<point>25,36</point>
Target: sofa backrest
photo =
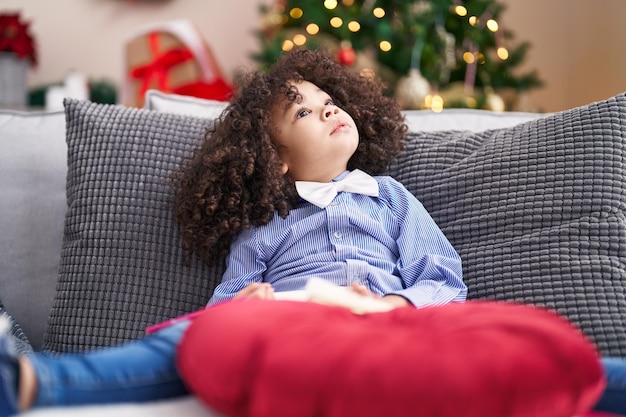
<point>534,206</point>
<point>32,209</point>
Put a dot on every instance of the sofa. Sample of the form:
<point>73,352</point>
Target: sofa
<point>90,257</point>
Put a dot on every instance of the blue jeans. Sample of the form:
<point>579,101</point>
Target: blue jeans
<point>614,398</point>
<point>143,370</point>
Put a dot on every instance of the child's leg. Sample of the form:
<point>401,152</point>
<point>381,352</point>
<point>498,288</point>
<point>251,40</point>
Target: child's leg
<point>142,370</point>
<point>614,398</point>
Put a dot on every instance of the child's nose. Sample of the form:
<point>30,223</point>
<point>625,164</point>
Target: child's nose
<point>330,112</point>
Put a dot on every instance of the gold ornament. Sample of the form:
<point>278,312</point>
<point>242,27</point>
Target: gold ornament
<point>412,90</point>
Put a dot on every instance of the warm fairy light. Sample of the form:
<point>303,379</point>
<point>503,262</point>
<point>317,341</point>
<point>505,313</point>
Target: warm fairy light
<point>330,4</point>
<point>434,102</point>
<point>299,39</point>
<point>473,20</point>
<point>287,45</point>
<point>379,12</point>
<point>348,2</point>
<point>469,57</point>
<point>460,10</point>
<point>277,19</point>
<point>312,29</point>
<point>336,22</point>
<point>503,53</point>
<point>368,73</point>
<point>354,26</point>
<point>296,13</point>
<point>492,25</point>
<point>481,58</point>
<point>385,46</point>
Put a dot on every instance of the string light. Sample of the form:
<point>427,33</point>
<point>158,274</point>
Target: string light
<point>434,102</point>
<point>473,20</point>
<point>287,45</point>
<point>385,46</point>
<point>469,57</point>
<point>460,10</point>
<point>492,25</point>
<point>503,53</point>
<point>348,2</point>
<point>296,13</point>
<point>471,102</point>
<point>299,39</point>
<point>330,4</point>
<point>354,26</point>
<point>368,73</point>
<point>336,22</point>
<point>378,12</point>
<point>312,29</point>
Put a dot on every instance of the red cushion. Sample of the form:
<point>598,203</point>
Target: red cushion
<point>282,358</point>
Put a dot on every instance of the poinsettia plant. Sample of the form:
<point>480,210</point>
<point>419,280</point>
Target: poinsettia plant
<point>15,37</point>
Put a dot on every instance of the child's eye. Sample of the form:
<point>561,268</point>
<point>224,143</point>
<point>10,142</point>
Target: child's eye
<point>330,102</point>
<point>302,113</point>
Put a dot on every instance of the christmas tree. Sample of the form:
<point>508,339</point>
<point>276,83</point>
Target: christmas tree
<point>429,53</point>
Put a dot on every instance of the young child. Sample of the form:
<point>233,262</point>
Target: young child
<point>308,122</point>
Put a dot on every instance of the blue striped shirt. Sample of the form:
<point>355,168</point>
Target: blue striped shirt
<point>388,243</point>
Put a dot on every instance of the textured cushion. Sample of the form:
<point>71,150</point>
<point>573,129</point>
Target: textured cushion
<point>122,266</point>
<point>32,208</point>
<point>537,211</point>
<point>280,358</point>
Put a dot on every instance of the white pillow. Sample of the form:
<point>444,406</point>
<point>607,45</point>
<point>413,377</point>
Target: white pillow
<point>417,120</point>
<point>464,119</point>
<point>187,105</point>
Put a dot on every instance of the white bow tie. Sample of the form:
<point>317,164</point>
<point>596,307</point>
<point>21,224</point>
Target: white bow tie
<point>322,193</point>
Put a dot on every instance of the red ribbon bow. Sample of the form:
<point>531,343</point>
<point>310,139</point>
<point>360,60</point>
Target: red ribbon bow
<point>159,67</point>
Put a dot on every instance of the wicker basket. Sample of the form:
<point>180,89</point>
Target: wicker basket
<point>13,77</point>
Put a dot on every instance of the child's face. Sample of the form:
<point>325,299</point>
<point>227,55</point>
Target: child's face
<point>315,138</point>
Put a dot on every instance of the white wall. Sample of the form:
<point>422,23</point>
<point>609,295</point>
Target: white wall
<point>577,45</point>
<point>89,35</point>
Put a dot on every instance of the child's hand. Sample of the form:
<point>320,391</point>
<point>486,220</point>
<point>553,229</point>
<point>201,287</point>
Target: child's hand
<point>393,300</point>
<point>362,290</point>
<point>260,290</point>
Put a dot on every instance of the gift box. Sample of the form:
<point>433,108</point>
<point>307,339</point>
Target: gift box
<point>171,57</point>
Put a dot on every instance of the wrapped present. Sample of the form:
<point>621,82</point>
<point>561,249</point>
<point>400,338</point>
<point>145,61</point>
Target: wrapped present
<point>171,57</point>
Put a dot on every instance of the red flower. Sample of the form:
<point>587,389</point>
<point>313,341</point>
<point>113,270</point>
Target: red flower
<point>15,37</point>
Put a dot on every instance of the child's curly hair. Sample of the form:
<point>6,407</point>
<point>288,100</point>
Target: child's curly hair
<point>234,179</point>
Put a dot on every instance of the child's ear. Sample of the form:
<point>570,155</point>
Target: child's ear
<point>283,168</point>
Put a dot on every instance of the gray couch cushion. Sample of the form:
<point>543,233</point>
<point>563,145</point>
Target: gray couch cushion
<point>32,209</point>
<point>122,265</point>
<point>536,211</point>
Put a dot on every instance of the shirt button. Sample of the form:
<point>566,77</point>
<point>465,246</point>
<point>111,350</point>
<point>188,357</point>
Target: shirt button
<point>338,235</point>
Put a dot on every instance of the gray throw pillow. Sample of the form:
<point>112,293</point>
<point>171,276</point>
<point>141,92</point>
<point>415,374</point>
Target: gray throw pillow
<point>536,211</point>
<point>122,266</point>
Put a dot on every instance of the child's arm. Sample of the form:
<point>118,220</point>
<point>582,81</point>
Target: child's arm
<point>243,269</point>
<point>429,266</point>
